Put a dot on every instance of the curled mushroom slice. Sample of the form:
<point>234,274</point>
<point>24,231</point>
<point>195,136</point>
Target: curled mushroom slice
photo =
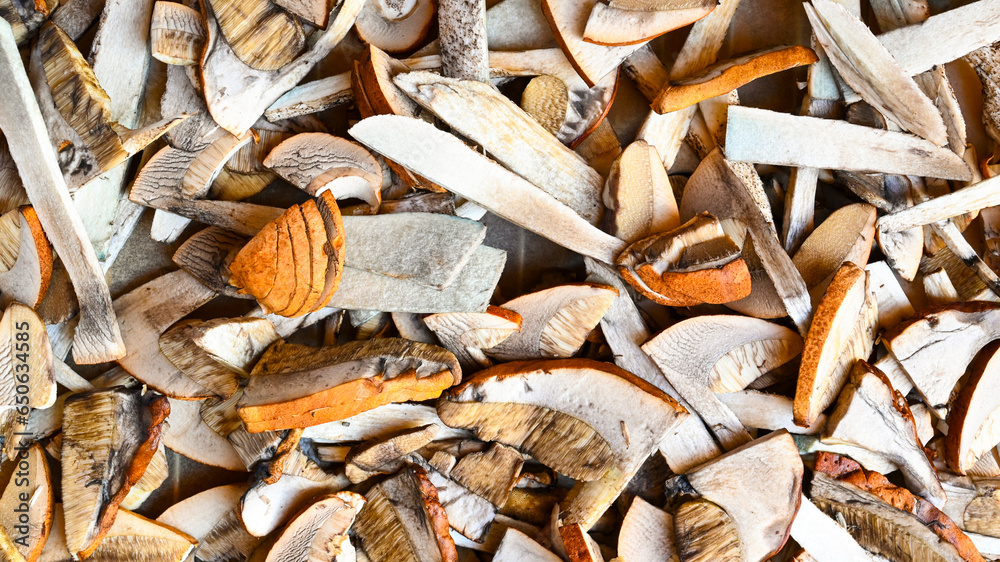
<point>28,492</point>
<point>555,322</point>
<point>467,334</point>
<point>293,265</point>
<point>176,33</point>
<point>870,414</point>
<point>725,76</point>
<point>568,21</point>
<point>757,486</point>
<point>317,162</point>
<point>639,195</point>
<point>26,258</point>
<point>884,518</point>
<point>403,521</point>
<point>972,426</point>
<point>385,455</point>
<point>525,405</point>
<point>320,531</point>
<point>216,353</point>
<point>936,348</point>
<point>613,25</point>
<point>395,29</point>
<point>299,386</point>
<point>698,262</point>
<point>842,331</point>
<point>109,436</point>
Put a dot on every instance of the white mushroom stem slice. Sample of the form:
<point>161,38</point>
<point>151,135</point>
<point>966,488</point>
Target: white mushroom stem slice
<point>26,258</point>
<point>767,411</point>
<point>27,492</point>
<point>973,418</point>
<point>320,531</point>
<point>688,352</point>
<point>822,537</point>
<point>555,322</point>
<point>96,338</point>
<point>199,514</point>
<point>568,21</point>
<point>517,547</point>
<point>467,334</point>
<point>870,414</point>
<point>936,348</point>
<point>968,199</point>
<point>473,109</point>
<point>612,25</point>
<point>758,485</point>
<point>176,34</point>
<point>208,164</point>
<point>316,162</point>
<point>639,195</point>
<point>646,534</point>
<point>463,39</point>
<point>144,314</point>
<point>189,435</point>
<point>767,137</point>
<point>446,161</point>
<point>395,30</point>
<point>404,520</point>
<point>312,97</point>
<point>606,441</point>
<point>842,332</point>
<point>893,304</point>
<point>871,71</point>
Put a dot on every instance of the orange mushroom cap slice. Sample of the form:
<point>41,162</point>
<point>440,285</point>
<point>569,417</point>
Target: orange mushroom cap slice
<point>25,258</point>
<point>972,422</point>
<point>613,25</point>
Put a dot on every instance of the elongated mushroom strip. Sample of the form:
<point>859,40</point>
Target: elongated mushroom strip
<point>177,33</point>
<point>468,334</point>
<point>638,193</point>
<point>311,97</point>
<point>968,199</point>
<point>743,485</point>
<point>728,75</point>
<point>842,332</point>
<point>698,262</point>
<point>870,414</point>
<point>109,436</point>
<point>473,109</point>
<point>612,25</point>
<point>299,386</point>
<point>688,354</point>
<point>767,137</point>
<point>24,276</point>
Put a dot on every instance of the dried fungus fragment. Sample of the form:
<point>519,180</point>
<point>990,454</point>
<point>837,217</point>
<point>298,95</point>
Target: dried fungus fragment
<point>262,36</point>
<point>612,24</point>
<point>386,455</point>
<point>468,334</point>
<point>646,534</point>
<point>317,162</point>
<point>704,531</point>
<point>177,33</point>
<point>320,531</point>
<point>971,423</point>
<point>386,29</point>
<point>638,193</point>
<point>25,258</point>
<point>28,491</point>
<point>132,537</point>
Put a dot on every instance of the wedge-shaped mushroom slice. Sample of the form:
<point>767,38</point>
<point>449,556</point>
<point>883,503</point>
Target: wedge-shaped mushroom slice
<point>698,262</point>
<point>579,545</point>
<point>385,455</point>
<point>189,435</point>
<point>381,421</point>
<point>546,99</point>
<point>517,547</point>
<point>758,487</point>
<point>25,274</point>
<point>396,29</point>
<point>525,405</point>
<point>555,322</point>
<point>260,34</point>
<point>690,354</point>
<point>613,25</point>
<point>467,334</point>
<point>403,521</point>
<point>209,517</point>
<point>843,330</point>
<point>639,195</point>
<point>704,531</point>
<point>473,109</point>
<point>725,76</point>
<point>870,414</point>
<point>27,377</point>
<point>646,534</point>
<point>28,492</point>
<point>936,348</point>
<point>568,21</point>
<point>109,436</point>
<point>131,537</point>
<point>320,531</point>
<point>315,162</point>
<point>209,163</point>
<point>299,386</point>
<point>971,424</point>
<point>845,236</point>
<point>469,515</point>
<point>761,410</point>
<point>293,265</point>
<point>884,518</point>
<point>153,477</point>
<point>216,353</point>
<point>312,97</point>
<point>176,34</point>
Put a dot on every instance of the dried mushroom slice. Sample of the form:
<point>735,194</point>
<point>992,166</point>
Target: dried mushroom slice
<point>403,521</point>
<point>209,163</point>
<point>467,334</point>
<point>639,195</point>
<point>199,514</point>
<point>884,518</point>
<point>698,262</point>
<point>299,386</point>
<point>728,75</point>
<point>132,537</point>
<point>568,22</point>
<point>757,487</point>
<point>972,426</point>
<point>177,33</point>
<point>613,25</point>
<point>646,534</point>
<point>155,475</point>
<point>761,410</point>
<point>26,362</point>
<point>517,547</point>
<point>320,531</point>
<point>396,30</point>
<point>189,435</point>
<point>25,260</point>
<point>579,545</point>
<point>386,454</point>
<point>317,162</point>
<point>109,436</point>
<point>206,255</point>
<point>845,236</point>
<point>555,322</point>
<point>469,514</point>
<point>525,405</point>
<point>842,331</point>
<point>260,34</point>
<point>381,421</point>
<point>704,532</point>
<point>28,492</point>
<point>217,352</point>
<point>870,414</point>
<point>293,265</point>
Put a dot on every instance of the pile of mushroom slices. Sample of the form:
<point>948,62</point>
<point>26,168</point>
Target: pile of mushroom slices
<point>505,281</point>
